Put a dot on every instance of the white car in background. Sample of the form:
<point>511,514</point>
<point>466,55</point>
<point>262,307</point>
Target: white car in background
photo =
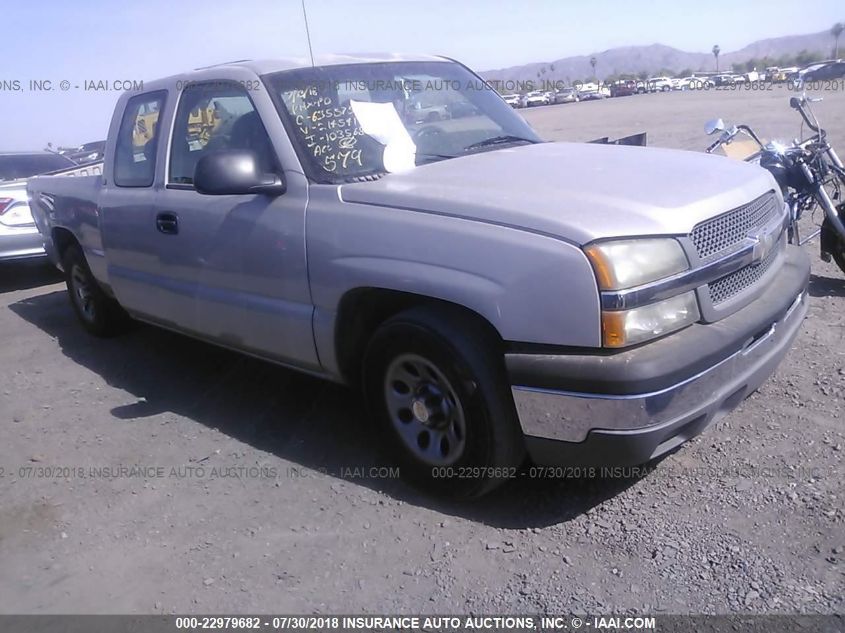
<point>695,83</point>
<point>537,98</point>
<point>659,84</point>
<point>515,101</point>
<point>19,238</point>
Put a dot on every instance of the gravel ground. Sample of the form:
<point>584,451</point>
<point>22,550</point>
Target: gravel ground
<point>258,492</point>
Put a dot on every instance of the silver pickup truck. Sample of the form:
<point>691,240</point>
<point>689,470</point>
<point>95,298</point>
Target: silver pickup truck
<point>495,297</point>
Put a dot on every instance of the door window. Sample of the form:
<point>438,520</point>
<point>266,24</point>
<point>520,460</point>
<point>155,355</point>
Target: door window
<point>212,117</point>
<point>137,140</point>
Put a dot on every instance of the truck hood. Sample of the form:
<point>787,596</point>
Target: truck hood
<point>578,192</point>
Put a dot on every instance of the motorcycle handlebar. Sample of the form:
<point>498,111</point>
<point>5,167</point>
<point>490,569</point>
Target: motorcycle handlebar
<point>798,104</point>
<point>750,133</point>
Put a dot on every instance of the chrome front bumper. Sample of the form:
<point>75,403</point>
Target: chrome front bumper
<point>703,398</point>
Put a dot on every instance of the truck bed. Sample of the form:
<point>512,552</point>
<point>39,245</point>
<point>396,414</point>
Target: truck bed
<point>67,199</point>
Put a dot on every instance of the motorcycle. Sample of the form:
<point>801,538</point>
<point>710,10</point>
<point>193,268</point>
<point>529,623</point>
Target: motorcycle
<point>809,172</point>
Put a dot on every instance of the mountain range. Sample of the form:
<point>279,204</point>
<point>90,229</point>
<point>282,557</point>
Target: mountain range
<point>656,57</point>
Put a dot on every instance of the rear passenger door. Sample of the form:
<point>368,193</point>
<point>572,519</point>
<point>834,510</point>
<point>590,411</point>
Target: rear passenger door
<point>245,254</point>
<point>136,263</point>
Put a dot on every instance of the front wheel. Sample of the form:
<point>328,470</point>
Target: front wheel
<point>435,383</point>
<point>838,254</point>
<point>99,314</point>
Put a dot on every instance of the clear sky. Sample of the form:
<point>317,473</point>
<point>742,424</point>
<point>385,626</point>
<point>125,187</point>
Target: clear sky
<point>145,39</point>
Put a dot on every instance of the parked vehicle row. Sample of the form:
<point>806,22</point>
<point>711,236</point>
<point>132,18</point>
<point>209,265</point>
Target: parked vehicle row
<point>592,91</point>
<point>821,71</point>
<point>587,92</point>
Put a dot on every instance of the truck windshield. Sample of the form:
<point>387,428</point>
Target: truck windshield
<point>439,110</point>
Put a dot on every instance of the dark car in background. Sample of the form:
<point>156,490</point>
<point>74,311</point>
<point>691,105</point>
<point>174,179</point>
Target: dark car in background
<point>88,153</point>
<point>623,88</point>
<point>17,165</point>
<point>826,72</point>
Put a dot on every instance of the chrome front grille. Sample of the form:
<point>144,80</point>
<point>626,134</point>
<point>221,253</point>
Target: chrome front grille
<point>732,284</point>
<point>725,232</point>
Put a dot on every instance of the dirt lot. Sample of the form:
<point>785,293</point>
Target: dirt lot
<point>258,493</point>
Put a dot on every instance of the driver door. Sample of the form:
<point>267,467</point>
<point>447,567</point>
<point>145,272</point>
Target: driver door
<point>243,254</point>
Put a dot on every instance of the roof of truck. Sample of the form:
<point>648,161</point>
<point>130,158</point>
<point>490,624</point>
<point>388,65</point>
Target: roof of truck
<point>264,66</point>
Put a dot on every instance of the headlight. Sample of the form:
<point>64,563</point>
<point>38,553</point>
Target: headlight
<point>13,214</point>
<point>629,327</point>
<point>622,264</point>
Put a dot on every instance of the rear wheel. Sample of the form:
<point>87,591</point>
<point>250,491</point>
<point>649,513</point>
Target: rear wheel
<point>435,383</point>
<point>99,314</point>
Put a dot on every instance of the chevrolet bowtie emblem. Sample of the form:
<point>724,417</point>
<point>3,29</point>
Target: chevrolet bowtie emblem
<point>764,242</point>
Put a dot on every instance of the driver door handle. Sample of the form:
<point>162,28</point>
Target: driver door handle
<point>167,223</point>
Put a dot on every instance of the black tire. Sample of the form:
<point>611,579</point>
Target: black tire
<point>467,402</point>
<point>839,254</point>
<point>99,314</point>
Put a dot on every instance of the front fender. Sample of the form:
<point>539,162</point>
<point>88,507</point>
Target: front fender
<point>532,288</point>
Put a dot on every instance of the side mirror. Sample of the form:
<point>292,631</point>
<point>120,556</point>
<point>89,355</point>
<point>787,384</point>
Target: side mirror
<point>235,172</point>
<point>713,126</point>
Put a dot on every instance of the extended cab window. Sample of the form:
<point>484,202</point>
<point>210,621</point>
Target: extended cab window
<point>212,117</point>
<point>137,140</point>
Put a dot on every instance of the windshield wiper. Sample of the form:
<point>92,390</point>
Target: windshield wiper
<point>434,157</point>
<point>499,140</point>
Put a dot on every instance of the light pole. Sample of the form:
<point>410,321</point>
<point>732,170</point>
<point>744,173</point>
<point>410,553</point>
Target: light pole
<point>836,31</point>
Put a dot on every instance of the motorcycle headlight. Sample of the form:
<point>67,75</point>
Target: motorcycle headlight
<point>620,264</point>
<point>15,214</point>
<point>622,328</point>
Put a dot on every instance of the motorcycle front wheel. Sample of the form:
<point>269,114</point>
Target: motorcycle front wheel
<point>838,250</point>
<point>838,254</point>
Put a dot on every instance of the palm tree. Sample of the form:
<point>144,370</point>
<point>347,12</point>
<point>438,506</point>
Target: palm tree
<point>716,51</point>
<point>593,62</point>
<point>836,31</point>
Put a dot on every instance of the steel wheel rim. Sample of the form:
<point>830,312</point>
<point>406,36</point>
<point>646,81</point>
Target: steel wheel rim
<point>425,410</point>
<point>82,294</point>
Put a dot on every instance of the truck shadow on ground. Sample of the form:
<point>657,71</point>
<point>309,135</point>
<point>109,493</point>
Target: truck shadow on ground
<point>304,420</point>
<point>22,275</point>
<point>826,286</point>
